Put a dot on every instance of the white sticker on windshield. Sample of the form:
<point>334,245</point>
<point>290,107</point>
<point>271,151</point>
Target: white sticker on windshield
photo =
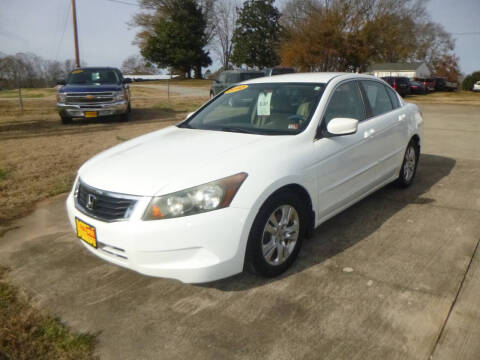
<point>263,104</point>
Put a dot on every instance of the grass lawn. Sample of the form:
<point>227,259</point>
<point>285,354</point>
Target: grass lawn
<point>445,97</point>
<point>27,93</point>
<point>27,333</point>
<point>39,156</point>
<point>184,82</point>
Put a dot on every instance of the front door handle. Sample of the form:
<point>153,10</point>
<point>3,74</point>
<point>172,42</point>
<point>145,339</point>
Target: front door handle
<point>368,133</point>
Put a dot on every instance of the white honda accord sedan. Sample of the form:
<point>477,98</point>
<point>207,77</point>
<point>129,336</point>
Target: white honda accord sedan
<point>243,180</point>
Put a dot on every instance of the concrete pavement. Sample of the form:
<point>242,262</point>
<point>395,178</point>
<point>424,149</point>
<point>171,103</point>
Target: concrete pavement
<point>396,276</point>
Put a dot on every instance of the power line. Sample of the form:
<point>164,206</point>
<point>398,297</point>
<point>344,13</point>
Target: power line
<point>125,2</point>
<point>467,33</point>
<point>64,28</point>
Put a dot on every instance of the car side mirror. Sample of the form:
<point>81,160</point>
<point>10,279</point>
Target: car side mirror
<point>127,81</point>
<point>61,82</point>
<point>342,126</point>
<point>216,81</point>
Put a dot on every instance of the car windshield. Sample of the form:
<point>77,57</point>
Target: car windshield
<point>269,109</point>
<point>93,76</point>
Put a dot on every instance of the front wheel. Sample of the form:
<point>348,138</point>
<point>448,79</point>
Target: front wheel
<point>409,165</point>
<point>66,120</point>
<point>276,235</point>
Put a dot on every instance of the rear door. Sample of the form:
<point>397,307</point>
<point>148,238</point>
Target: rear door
<point>387,121</point>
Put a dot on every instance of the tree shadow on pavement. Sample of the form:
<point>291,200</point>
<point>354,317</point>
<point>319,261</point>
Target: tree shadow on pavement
<point>353,224</point>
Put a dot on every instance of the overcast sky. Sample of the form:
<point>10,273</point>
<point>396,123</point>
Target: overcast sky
<point>44,27</point>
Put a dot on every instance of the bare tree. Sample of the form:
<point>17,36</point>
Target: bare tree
<point>136,65</point>
<point>54,71</point>
<point>225,19</point>
<point>13,69</point>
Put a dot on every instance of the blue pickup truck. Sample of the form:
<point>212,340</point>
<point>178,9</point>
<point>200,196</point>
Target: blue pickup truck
<point>93,92</point>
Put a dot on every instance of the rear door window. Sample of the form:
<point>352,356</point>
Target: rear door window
<point>377,97</point>
<point>393,97</point>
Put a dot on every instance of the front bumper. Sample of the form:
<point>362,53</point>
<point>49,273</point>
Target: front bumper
<point>193,249</point>
<point>106,109</point>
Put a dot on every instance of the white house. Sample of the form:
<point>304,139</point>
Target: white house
<point>410,70</point>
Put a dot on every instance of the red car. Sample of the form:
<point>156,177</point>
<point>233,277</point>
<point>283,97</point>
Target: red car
<point>428,83</point>
<point>417,88</point>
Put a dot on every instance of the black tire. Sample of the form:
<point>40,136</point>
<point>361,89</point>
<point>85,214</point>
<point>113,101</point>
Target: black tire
<point>123,117</point>
<point>66,120</point>
<point>255,261</point>
<point>408,170</point>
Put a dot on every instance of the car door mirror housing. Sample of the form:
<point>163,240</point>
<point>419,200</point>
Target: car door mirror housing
<point>61,82</point>
<point>342,126</point>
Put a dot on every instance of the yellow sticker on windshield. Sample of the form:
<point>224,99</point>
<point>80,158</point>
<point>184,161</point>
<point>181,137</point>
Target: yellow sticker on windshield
<point>236,88</point>
<point>77,71</point>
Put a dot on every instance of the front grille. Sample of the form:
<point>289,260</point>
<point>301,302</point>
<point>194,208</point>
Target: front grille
<point>89,98</point>
<point>103,205</point>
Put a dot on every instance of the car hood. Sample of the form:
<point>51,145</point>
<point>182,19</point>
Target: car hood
<point>89,88</point>
<point>169,160</point>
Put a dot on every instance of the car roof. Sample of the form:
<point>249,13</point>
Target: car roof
<point>96,67</point>
<point>242,71</point>
<point>317,77</point>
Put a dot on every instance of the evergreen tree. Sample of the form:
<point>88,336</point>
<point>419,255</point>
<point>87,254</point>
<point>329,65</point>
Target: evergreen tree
<point>256,34</point>
<point>178,39</point>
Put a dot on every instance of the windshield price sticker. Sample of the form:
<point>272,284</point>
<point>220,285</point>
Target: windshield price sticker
<point>263,104</point>
<point>236,88</point>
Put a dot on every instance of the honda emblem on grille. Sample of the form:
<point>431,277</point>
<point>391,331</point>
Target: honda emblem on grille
<point>90,201</point>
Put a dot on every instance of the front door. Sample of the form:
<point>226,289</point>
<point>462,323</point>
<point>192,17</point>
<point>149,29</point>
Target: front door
<point>344,162</point>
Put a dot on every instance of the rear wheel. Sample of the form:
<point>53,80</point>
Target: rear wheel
<point>276,235</point>
<point>409,165</point>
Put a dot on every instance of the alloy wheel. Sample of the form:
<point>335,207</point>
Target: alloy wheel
<point>280,235</point>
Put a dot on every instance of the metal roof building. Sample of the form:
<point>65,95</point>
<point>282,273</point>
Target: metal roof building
<point>410,70</point>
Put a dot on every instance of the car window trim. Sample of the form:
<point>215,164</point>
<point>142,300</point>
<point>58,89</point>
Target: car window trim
<point>183,123</point>
<point>319,129</point>
<point>368,103</point>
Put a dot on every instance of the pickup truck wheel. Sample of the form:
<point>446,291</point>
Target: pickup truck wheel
<point>276,235</point>
<point>66,120</point>
<point>123,117</point>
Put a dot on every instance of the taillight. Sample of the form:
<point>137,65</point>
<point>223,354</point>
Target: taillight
<point>395,85</point>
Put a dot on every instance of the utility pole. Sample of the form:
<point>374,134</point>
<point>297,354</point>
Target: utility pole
<point>75,34</point>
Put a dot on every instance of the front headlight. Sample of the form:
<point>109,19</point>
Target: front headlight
<point>207,197</point>
<point>61,97</point>
<point>120,95</point>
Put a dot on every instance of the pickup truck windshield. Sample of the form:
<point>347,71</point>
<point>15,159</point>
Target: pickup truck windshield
<point>93,76</point>
<point>270,109</point>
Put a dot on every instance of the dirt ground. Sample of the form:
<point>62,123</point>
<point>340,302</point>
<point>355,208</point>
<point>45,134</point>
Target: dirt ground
<point>397,276</point>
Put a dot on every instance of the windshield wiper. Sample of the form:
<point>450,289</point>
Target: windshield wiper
<point>236,129</point>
